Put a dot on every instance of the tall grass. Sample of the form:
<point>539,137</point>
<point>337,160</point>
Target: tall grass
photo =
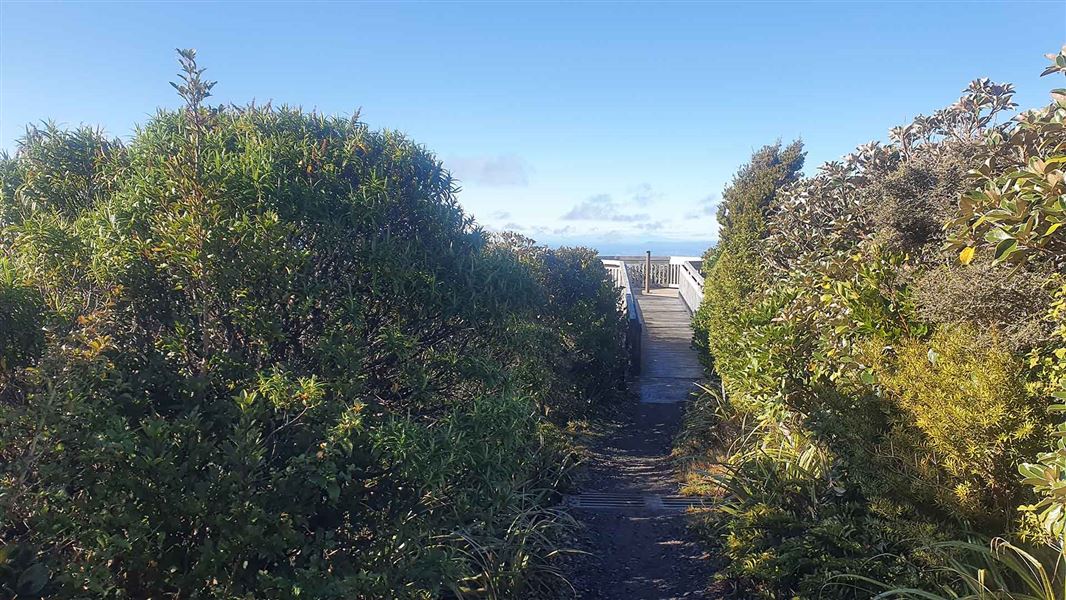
<point>995,571</point>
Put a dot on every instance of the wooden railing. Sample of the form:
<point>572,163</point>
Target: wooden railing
<point>617,271</point>
<point>634,319</point>
<point>690,285</point>
<point>665,271</point>
<point>628,275</point>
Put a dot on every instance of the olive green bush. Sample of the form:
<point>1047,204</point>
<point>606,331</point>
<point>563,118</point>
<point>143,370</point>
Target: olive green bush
<point>1011,304</point>
<point>968,398</point>
<point>891,365</point>
<point>21,336</point>
<point>732,273</point>
<point>261,353</point>
<point>576,332</point>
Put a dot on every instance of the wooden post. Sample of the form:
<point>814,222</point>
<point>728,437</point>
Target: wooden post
<point>647,273</point>
<point>633,334</point>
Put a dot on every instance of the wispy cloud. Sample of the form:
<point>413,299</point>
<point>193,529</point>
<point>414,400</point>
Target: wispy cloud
<point>603,207</point>
<point>709,204</point>
<point>705,207</point>
<point>501,215</point>
<point>537,230</point>
<point>643,194</point>
<point>503,170</point>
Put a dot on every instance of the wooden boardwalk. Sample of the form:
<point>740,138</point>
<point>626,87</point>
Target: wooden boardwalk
<point>637,536</point>
<point>669,365</point>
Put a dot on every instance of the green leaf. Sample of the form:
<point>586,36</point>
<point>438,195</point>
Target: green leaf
<point>868,377</point>
<point>996,235</point>
<point>1005,248</point>
<point>33,579</point>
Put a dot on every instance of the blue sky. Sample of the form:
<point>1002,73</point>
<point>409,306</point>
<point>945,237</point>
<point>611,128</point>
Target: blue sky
<point>612,125</point>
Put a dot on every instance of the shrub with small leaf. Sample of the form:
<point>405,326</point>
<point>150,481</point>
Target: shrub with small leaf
<point>889,366</point>
<point>261,353</point>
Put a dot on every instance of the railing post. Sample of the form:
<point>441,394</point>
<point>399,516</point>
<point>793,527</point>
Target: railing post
<point>647,273</point>
<point>633,334</point>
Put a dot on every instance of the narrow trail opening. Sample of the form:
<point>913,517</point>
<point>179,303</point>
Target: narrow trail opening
<point>639,545</point>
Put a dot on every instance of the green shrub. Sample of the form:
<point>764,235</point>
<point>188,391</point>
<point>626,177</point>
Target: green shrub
<point>1018,208</point>
<point>970,402</point>
<point>1008,303</point>
<point>21,333</point>
<point>734,272</point>
<point>576,330</point>
<point>1047,473</point>
<point>888,344</point>
<point>279,362</point>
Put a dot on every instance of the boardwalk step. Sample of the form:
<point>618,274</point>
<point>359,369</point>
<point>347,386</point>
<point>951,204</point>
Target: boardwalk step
<point>648,502</point>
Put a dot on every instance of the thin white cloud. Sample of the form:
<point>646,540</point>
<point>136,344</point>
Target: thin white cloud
<point>503,170</point>
<point>643,194</point>
<point>708,205</point>
<point>602,207</point>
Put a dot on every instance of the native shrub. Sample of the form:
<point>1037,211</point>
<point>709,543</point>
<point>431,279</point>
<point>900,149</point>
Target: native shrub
<point>732,273</point>
<point>261,353</point>
<point>575,330</point>
<point>970,401</point>
<point>887,358</point>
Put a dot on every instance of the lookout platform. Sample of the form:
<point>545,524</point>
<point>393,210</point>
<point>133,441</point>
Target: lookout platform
<point>669,365</point>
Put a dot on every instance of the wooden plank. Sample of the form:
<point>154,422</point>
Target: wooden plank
<point>670,367</point>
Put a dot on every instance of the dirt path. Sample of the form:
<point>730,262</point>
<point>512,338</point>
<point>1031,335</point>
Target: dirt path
<point>636,553</point>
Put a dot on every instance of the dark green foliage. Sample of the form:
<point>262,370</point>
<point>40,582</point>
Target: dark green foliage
<point>742,212</point>
<point>21,336</point>
<point>575,330</point>
<point>279,361</point>
<point>889,339</point>
<point>733,272</point>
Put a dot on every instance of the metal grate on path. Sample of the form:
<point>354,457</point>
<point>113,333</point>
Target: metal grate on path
<point>648,502</point>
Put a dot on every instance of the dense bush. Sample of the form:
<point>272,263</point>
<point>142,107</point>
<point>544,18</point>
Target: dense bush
<point>575,332</point>
<point>967,397</point>
<point>732,271</point>
<point>891,364</point>
<point>261,353</point>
